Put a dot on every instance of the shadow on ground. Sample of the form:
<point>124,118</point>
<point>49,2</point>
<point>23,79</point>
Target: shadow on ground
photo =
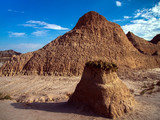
<point>61,107</point>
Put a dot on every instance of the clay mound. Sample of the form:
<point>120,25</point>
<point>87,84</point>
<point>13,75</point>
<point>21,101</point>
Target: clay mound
<point>7,55</point>
<point>102,90</point>
<point>92,38</point>
<point>156,39</point>
<point>143,45</point>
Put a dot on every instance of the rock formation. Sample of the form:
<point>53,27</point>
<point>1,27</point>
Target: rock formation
<point>7,55</point>
<point>101,90</point>
<point>156,39</point>
<point>144,46</point>
<point>92,38</point>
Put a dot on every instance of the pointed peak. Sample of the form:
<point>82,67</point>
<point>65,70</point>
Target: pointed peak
<point>90,18</point>
<point>156,39</point>
<point>129,33</point>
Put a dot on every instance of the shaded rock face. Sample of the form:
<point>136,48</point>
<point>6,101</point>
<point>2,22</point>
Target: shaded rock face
<point>92,38</point>
<point>144,46</point>
<point>103,92</point>
<point>156,39</point>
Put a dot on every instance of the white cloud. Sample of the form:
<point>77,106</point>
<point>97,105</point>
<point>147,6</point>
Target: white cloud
<point>118,3</point>
<point>36,24</point>
<point>121,20</point>
<point>10,10</point>
<point>146,22</point>
<point>40,33</point>
<point>55,27</point>
<point>29,25</point>
<point>16,34</point>
<point>127,17</point>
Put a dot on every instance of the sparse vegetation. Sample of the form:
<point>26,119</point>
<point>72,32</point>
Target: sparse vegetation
<point>103,65</point>
<point>148,89</point>
<point>4,97</point>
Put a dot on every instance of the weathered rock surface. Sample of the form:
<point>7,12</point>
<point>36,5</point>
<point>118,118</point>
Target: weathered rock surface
<point>92,38</point>
<point>144,46</point>
<point>7,55</point>
<point>102,91</point>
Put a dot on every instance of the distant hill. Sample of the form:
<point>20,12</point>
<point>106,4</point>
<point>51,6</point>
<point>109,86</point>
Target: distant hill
<point>92,38</point>
<point>156,39</point>
<point>146,47</point>
<point>6,55</point>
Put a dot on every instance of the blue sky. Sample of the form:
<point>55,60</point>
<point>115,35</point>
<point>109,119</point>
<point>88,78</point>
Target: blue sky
<point>27,25</point>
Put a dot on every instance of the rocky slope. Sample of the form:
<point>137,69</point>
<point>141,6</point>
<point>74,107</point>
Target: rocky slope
<point>156,39</point>
<point>144,46</point>
<point>92,38</point>
<point>7,55</point>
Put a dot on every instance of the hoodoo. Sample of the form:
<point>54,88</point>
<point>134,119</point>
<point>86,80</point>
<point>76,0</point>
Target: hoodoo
<point>101,90</point>
<point>92,38</point>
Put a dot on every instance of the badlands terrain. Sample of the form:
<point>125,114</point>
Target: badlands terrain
<point>45,97</point>
<point>37,85</point>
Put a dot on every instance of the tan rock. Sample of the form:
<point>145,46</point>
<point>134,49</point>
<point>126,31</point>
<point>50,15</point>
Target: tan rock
<point>92,38</point>
<point>103,91</point>
<point>146,47</point>
<point>42,99</point>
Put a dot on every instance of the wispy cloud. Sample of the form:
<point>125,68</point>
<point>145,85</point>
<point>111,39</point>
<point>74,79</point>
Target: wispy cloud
<point>145,22</point>
<point>126,17</point>
<point>16,34</point>
<point>29,25</point>
<point>42,24</point>
<point>118,3</point>
<point>40,33</point>
<point>10,10</point>
<point>123,19</point>
<point>118,20</point>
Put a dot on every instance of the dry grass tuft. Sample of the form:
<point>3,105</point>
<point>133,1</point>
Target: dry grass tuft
<point>103,65</point>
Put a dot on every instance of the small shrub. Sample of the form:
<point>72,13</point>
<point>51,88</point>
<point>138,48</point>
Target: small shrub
<point>148,89</point>
<point>7,97</point>
<point>143,92</point>
<point>4,97</point>
<point>102,65</point>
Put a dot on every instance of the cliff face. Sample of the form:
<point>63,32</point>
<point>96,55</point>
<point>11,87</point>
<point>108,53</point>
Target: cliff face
<point>92,38</point>
<point>144,46</point>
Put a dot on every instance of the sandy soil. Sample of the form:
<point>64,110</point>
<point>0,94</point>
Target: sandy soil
<point>45,97</point>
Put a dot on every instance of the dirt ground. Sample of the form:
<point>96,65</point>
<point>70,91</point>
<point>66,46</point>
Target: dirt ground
<point>45,97</point>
